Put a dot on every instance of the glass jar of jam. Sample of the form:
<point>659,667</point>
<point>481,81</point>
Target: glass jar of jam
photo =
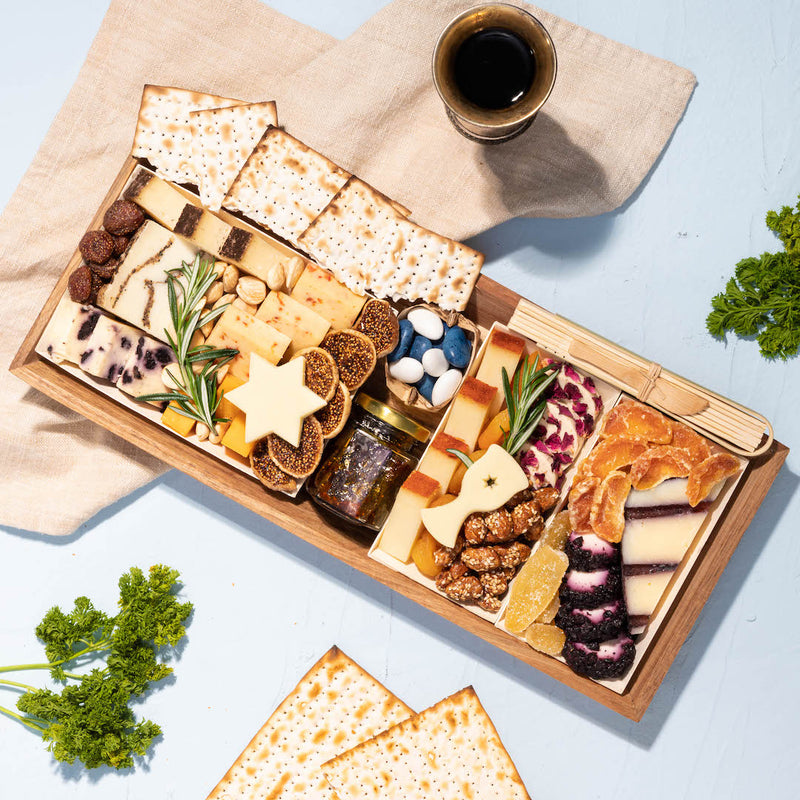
<point>367,463</point>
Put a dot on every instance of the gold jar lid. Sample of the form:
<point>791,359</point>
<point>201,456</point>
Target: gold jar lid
<point>392,417</point>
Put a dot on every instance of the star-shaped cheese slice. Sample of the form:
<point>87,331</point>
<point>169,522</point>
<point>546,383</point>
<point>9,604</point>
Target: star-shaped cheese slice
<point>275,400</point>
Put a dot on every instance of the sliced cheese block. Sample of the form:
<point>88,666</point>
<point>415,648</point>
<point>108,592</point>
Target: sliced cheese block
<point>159,199</point>
<point>321,292</point>
<point>142,371</point>
<point>404,522</point>
<point>437,463</point>
<point>234,438</point>
<point>239,329</point>
<point>469,411</point>
<point>643,589</point>
<point>502,350</point>
<point>108,349</point>
<point>69,327</point>
<point>660,540</point>
<point>301,324</point>
<point>138,292</point>
<point>202,228</point>
<point>253,253</point>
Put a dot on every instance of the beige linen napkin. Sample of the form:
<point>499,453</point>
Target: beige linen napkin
<point>368,103</point>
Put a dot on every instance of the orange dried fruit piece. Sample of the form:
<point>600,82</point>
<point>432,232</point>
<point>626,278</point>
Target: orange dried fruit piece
<point>535,586</point>
<point>581,499</point>
<point>557,532</point>
<point>632,419</point>
<point>422,554</point>
<point>461,470</point>
<point>704,476</point>
<point>547,639</point>
<point>495,431</point>
<point>549,614</point>
<point>611,454</point>
<point>659,463</point>
<point>607,517</point>
<point>687,439</point>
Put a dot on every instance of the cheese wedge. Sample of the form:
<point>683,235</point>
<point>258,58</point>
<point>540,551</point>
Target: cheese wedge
<point>437,463</point>
<point>321,292</point>
<point>405,522</point>
<point>469,411</point>
<point>239,329</point>
<point>502,350</point>
<point>301,324</point>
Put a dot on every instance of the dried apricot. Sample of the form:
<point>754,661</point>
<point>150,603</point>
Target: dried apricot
<point>547,639</point>
<point>422,554</point>
<point>632,419</point>
<point>704,476</point>
<point>495,431</point>
<point>458,475</point>
<point>581,498</point>
<point>658,464</point>
<point>535,587</point>
<point>612,454</point>
<point>607,516</point>
<point>683,436</point>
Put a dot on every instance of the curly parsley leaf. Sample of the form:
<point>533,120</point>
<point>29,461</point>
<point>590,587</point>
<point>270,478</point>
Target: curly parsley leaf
<point>763,297</point>
<point>90,719</point>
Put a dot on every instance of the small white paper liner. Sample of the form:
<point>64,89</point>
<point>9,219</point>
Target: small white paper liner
<point>609,395</point>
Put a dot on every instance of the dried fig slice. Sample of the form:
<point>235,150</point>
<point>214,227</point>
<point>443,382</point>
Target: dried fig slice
<point>321,372</point>
<point>687,439</point>
<point>611,454</point>
<point>299,462</point>
<point>659,463</point>
<point>607,516</point>
<point>333,417</point>
<point>631,419</point>
<point>704,476</point>
<point>268,472</point>
<point>581,499</point>
<point>379,322</point>
<point>354,354</point>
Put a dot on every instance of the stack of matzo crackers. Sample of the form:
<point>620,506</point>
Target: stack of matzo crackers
<point>341,735</point>
<point>240,160</point>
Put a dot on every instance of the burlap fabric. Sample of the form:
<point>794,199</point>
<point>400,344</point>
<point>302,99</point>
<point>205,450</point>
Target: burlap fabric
<point>366,102</point>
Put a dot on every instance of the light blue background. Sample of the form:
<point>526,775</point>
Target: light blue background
<point>724,724</point>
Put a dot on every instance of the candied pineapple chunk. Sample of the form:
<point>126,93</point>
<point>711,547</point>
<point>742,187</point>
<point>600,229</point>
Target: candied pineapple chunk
<point>547,639</point>
<point>707,474</point>
<point>581,499</point>
<point>534,588</point>
<point>687,439</point>
<point>611,454</point>
<point>658,464</point>
<point>608,509</point>
<point>495,431</point>
<point>422,554</point>
<point>557,532</point>
<point>549,614</point>
<point>632,419</point>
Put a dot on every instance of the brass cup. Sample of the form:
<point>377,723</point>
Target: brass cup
<point>492,126</point>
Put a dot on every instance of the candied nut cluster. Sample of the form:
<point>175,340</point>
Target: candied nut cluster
<point>490,549</point>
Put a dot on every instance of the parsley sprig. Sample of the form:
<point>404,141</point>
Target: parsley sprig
<point>90,719</point>
<point>763,299</point>
<point>199,395</point>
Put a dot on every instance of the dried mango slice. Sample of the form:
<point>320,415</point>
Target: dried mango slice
<point>607,517</point>
<point>547,639</point>
<point>632,419</point>
<point>581,498</point>
<point>558,531</point>
<point>535,587</point>
<point>704,476</point>
<point>611,454</point>
<point>687,439</point>
<point>659,463</point>
<point>549,614</point>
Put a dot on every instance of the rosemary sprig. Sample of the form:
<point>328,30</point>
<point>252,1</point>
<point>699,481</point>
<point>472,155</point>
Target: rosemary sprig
<point>524,400</point>
<point>199,395</point>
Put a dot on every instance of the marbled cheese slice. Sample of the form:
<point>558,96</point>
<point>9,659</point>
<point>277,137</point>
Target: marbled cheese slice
<point>142,371</point>
<point>138,291</point>
<point>107,350</point>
